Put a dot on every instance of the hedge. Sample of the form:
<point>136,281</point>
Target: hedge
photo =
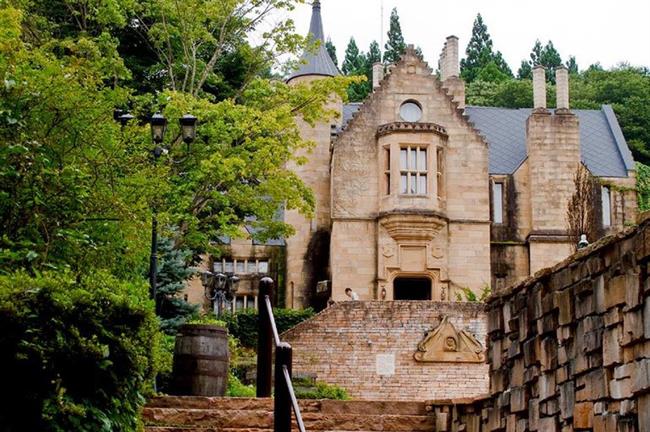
<point>74,355</point>
<point>243,325</point>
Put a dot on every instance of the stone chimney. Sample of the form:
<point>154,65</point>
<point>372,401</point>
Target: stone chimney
<point>449,66</point>
<point>539,87</point>
<point>450,71</point>
<point>377,74</point>
<point>562,88</point>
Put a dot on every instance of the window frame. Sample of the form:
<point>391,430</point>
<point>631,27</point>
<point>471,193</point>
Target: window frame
<point>606,213</point>
<point>497,203</point>
<point>417,173</point>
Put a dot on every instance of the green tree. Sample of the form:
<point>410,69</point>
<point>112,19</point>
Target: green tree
<point>547,56</point>
<point>395,45</point>
<point>479,54</point>
<point>572,65</point>
<point>374,54</point>
<point>331,50</point>
<point>356,64</point>
<point>643,186</point>
<point>174,270</point>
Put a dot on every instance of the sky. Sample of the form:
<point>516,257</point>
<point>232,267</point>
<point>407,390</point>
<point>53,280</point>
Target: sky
<point>593,31</point>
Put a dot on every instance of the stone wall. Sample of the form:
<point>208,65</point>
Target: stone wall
<point>350,343</point>
<point>569,350</point>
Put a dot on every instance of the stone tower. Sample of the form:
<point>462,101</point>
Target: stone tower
<point>312,236</point>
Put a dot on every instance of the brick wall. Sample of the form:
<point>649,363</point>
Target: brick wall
<point>569,348</point>
<point>343,345</point>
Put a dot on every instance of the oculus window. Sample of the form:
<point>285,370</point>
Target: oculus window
<point>410,111</point>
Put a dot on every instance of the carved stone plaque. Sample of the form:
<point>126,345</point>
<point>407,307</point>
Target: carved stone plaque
<point>446,344</point>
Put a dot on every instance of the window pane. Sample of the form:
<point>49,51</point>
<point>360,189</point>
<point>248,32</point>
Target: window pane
<point>403,181</point>
<point>413,162</point>
<point>412,184</point>
<point>218,266</point>
<point>264,267</point>
<point>229,267</point>
<point>239,303</point>
<point>251,267</point>
<point>422,184</point>
<point>387,167</point>
<point>388,184</point>
<point>497,202</point>
<point>402,159</point>
<point>422,160</point>
<point>240,267</point>
<point>607,206</point>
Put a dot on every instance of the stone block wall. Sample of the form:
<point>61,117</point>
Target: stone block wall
<point>569,349</point>
<point>367,348</point>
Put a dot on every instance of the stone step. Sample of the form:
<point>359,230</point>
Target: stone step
<point>322,406</point>
<point>263,419</point>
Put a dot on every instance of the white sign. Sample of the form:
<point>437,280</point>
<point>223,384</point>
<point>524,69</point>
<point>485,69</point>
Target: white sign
<point>385,364</point>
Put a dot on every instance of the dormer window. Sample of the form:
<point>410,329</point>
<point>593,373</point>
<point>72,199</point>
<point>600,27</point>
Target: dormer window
<point>410,111</point>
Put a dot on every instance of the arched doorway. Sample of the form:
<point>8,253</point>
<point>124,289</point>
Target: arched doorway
<point>412,288</point>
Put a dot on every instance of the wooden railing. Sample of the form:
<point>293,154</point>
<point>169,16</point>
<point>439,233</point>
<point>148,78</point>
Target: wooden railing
<point>285,398</point>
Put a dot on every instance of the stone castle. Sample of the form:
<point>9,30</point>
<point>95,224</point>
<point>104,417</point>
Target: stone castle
<point>419,197</point>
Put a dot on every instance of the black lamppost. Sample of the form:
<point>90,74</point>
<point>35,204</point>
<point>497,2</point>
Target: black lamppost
<point>219,288</point>
<point>158,124</point>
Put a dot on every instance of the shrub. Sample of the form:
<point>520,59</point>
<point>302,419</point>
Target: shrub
<point>243,325</point>
<point>319,390</point>
<point>80,355</point>
<point>237,389</point>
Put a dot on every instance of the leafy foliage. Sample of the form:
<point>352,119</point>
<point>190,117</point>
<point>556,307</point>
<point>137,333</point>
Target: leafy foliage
<point>546,56</point>
<point>243,325</point>
<point>306,389</point>
<point>643,186</point>
<point>582,215</point>
<point>80,352</point>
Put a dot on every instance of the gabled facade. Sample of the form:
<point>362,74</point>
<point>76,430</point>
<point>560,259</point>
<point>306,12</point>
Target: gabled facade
<point>422,197</point>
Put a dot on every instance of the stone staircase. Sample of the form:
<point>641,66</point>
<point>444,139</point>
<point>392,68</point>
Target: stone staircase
<point>206,414</point>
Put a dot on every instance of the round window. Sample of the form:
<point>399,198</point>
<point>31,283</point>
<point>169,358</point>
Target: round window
<point>410,111</point>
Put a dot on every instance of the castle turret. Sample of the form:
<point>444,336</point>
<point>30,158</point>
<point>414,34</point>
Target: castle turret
<point>312,235</point>
<point>315,63</point>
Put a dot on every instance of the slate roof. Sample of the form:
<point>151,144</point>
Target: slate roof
<point>603,147</point>
<point>319,62</point>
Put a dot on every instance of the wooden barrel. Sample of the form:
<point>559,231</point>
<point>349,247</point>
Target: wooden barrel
<point>201,361</point>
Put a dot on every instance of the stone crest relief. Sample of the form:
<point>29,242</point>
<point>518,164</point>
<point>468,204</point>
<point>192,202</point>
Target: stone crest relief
<point>446,344</point>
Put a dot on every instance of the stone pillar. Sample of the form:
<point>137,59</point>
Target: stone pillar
<point>539,87</point>
<point>453,67</point>
<point>562,87</point>
<point>377,74</point>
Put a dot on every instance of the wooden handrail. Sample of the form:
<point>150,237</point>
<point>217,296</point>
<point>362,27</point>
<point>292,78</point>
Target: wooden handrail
<point>285,397</point>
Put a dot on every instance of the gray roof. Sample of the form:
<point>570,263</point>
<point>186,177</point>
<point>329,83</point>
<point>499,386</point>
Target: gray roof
<point>318,62</point>
<point>603,147</point>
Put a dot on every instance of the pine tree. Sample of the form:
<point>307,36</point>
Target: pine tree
<point>546,56</point>
<point>374,54</point>
<point>356,63</point>
<point>479,53</point>
<point>173,272</point>
<point>572,65</point>
<point>525,70</point>
<point>354,60</point>
<point>395,46</point>
<point>331,50</point>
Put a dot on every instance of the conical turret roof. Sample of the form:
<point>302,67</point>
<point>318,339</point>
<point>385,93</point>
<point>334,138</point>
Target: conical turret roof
<point>318,62</point>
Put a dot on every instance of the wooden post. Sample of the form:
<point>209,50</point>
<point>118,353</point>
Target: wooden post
<point>264,340</point>
<point>282,401</point>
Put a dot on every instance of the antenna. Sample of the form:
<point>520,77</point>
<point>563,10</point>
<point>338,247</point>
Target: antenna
<point>381,27</point>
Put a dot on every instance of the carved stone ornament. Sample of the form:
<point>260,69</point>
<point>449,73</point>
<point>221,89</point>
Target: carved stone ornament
<point>446,344</point>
